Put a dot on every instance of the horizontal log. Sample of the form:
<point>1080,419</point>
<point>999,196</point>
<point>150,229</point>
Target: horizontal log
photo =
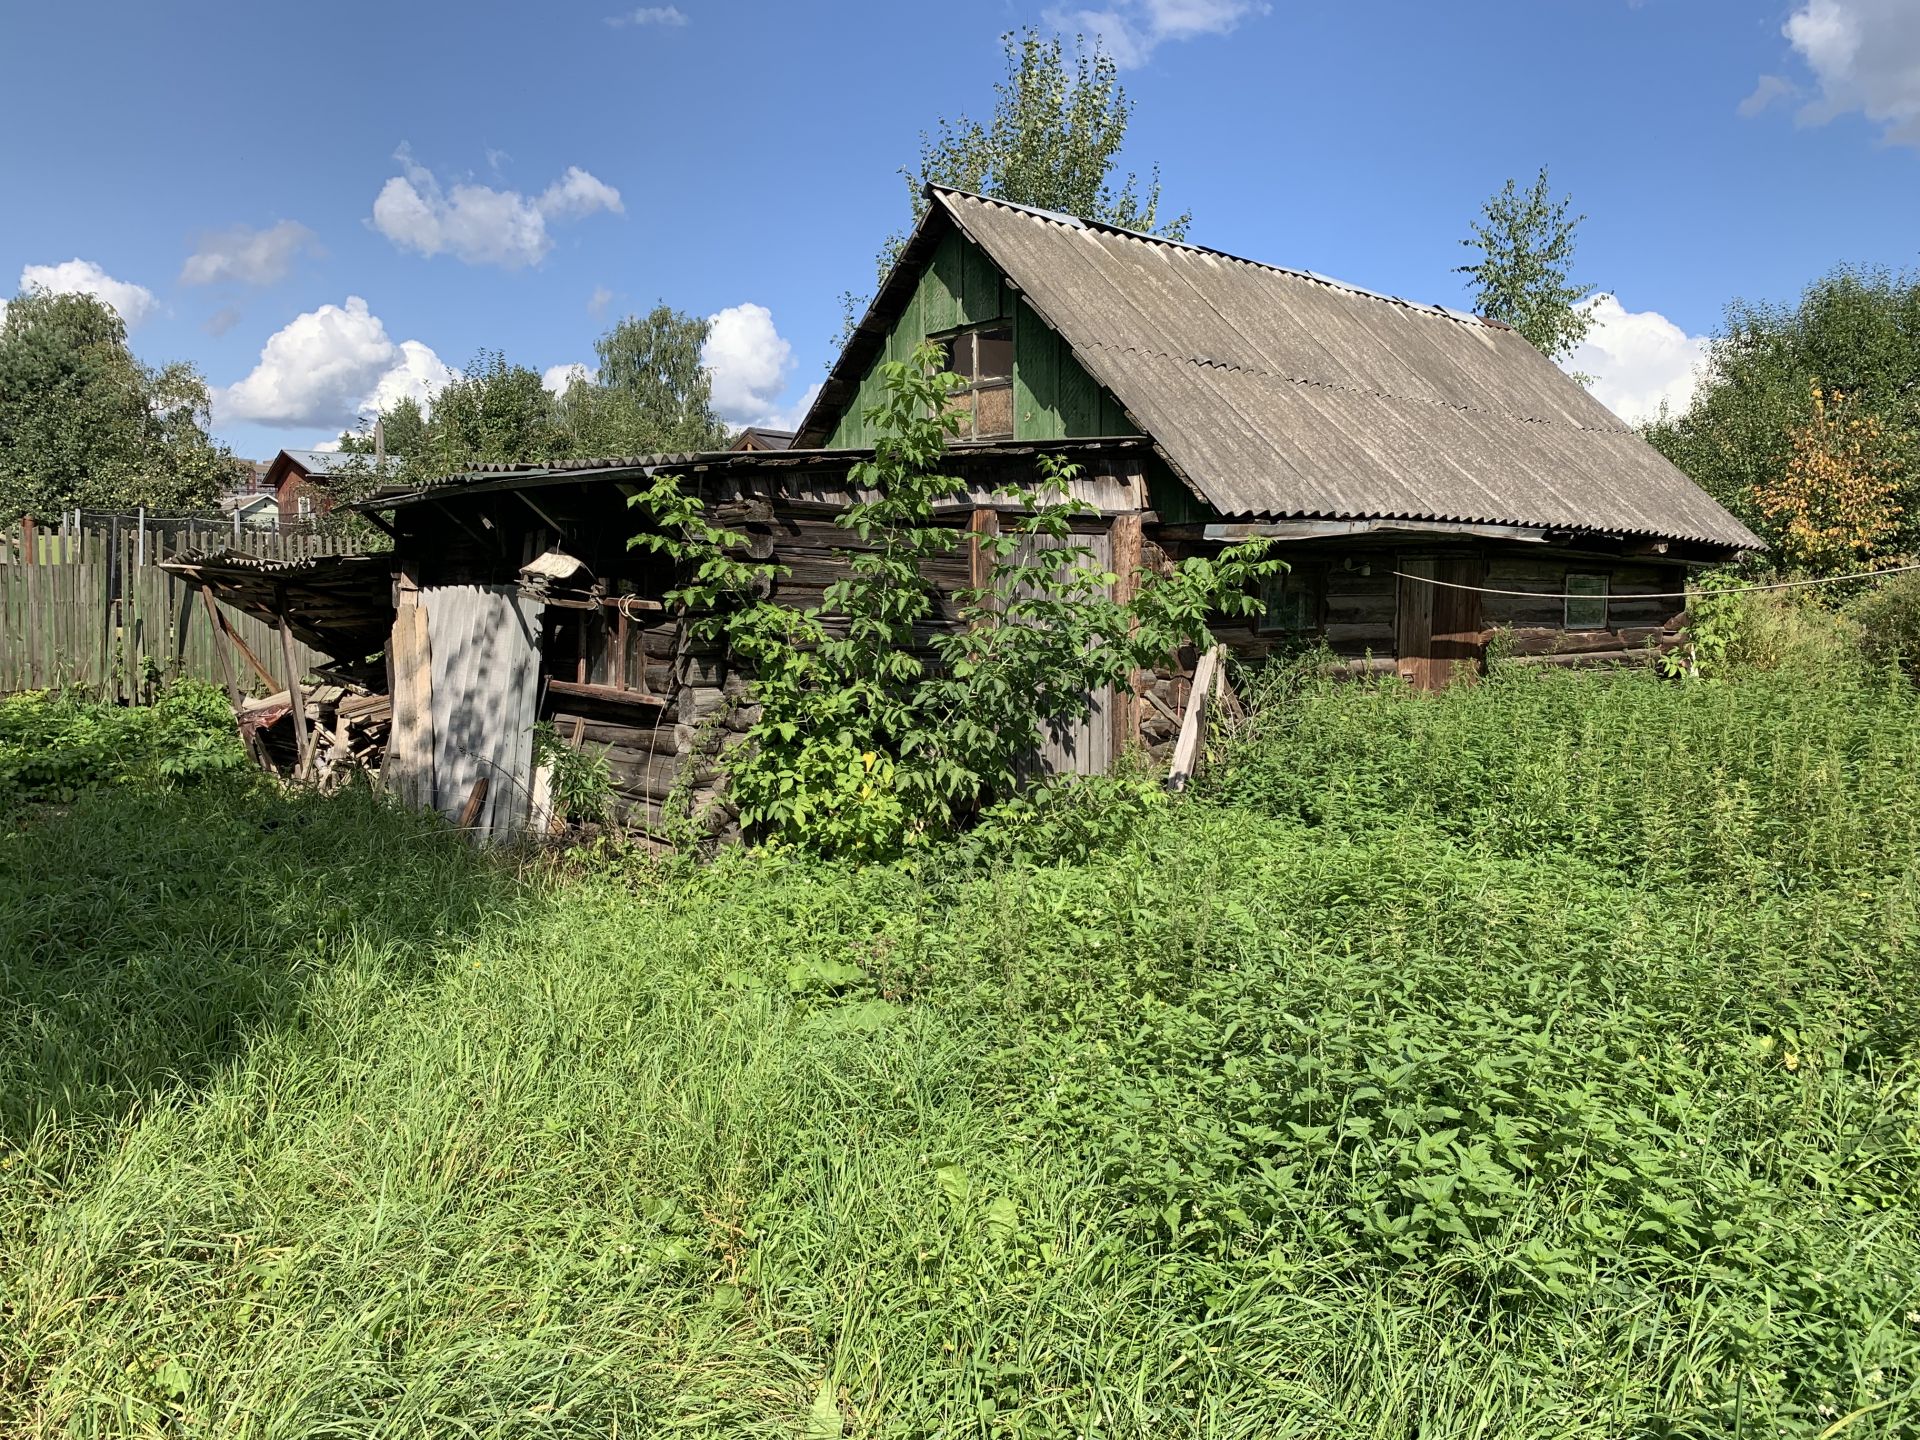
<point>604,694</point>
<point>640,734</point>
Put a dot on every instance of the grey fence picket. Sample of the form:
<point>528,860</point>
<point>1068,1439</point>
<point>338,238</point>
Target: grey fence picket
<point>88,605</point>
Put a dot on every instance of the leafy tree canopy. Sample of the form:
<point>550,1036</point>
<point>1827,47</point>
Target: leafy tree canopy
<point>652,394</point>
<point>1052,142</point>
<point>1525,239</point>
<point>657,395</point>
<point>1777,375</point>
<point>83,423</point>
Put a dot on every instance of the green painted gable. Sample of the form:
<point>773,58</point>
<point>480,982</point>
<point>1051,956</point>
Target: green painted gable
<point>1053,397</point>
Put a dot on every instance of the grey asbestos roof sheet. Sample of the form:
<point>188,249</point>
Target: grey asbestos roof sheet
<point>1281,393</point>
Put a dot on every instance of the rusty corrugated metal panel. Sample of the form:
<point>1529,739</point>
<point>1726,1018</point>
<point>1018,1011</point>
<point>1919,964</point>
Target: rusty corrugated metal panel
<point>1281,393</point>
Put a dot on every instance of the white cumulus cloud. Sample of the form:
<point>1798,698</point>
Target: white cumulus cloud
<point>750,362</point>
<point>246,256</point>
<point>669,16</point>
<point>1131,30</point>
<point>479,224</point>
<point>328,367</point>
<point>1639,360</point>
<point>558,377</point>
<point>132,302</point>
<point>1865,56</point>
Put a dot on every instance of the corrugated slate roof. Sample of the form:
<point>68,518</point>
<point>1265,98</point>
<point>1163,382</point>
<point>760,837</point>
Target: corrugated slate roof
<point>1281,393</point>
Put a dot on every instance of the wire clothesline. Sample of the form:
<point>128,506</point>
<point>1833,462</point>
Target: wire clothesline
<point>1661,594</point>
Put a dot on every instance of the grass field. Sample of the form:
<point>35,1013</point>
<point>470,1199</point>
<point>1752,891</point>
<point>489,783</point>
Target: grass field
<point>1536,1060</point>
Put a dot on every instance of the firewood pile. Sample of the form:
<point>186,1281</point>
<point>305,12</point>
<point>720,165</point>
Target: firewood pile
<point>346,730</point>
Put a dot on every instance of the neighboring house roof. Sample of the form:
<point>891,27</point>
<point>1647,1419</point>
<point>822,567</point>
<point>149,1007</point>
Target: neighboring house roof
<point>759,437</point>
<point>1281,393</point>
<point>312,464</point>
<point>247,504</point>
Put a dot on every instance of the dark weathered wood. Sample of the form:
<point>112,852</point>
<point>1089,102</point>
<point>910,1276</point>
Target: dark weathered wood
<point>608,694</point>
<point>476,798</point>
<point>1126,539</point>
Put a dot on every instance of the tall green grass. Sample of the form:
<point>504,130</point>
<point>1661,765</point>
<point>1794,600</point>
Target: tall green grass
<point>1407,1084</point>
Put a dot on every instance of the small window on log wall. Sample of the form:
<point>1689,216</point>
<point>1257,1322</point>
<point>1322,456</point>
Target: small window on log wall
<point>984,360</point>
<point>1586,602</point>
<point>1290,603</point>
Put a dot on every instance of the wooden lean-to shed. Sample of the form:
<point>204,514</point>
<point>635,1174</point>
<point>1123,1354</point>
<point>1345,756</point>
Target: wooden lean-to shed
<point>1432,481</point>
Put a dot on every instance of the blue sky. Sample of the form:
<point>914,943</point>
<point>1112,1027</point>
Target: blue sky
<point>323,205</point>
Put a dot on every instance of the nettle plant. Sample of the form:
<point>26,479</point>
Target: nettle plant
<point>884,723</point>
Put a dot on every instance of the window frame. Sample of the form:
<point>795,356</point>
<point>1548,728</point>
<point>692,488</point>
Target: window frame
<point>976,384</point>
<point>1603,598</point>
<point>1310,586</point>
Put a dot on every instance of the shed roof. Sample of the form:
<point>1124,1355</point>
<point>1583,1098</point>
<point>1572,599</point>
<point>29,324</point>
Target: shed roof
<point>1282,393</point>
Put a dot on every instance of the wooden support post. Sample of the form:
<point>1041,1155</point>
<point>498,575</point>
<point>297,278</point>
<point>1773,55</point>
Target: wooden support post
<point>979,560</point>
<point>407,769</point>
<point>297,696</point>
<point>224,627</point>
<point>1125,534</point>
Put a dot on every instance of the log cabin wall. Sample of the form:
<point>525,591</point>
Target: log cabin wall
<point>623,676</point>
<point>1352,600</point>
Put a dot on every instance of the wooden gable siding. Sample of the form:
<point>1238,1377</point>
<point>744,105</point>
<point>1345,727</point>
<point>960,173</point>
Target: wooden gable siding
<point>1054,397</point>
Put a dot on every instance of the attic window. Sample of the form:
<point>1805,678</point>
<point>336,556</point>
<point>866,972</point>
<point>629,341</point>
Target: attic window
<point>983,359</point>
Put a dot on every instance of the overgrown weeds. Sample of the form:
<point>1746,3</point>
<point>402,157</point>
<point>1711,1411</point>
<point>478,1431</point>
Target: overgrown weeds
<point>1533,1060</point>
<point>56,744</point>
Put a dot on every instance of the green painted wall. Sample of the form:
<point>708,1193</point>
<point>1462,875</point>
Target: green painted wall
<point>1053,397</point>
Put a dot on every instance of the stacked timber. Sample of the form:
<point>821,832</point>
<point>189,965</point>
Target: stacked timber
<point>345,730</point>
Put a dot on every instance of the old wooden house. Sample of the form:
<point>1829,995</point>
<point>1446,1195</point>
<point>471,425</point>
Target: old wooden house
<point>1432,479</point>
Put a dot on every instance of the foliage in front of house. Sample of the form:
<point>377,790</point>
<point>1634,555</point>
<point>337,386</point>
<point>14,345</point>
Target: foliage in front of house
<point>880,729</point>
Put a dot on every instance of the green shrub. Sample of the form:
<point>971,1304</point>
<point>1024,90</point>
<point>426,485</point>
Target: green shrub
<point>1889,619</point>
<point>55,744</point>
<point>1734,629</point>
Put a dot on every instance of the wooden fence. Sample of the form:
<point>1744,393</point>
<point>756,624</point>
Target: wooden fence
<point>88,604</point>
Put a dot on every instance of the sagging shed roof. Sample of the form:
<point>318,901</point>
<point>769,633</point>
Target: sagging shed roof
<point>1281,393</point>
<point>338,604</point>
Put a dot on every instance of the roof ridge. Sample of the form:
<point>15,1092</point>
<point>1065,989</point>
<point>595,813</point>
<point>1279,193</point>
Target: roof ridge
<point>1207,362</point>
<point>1076,222</point>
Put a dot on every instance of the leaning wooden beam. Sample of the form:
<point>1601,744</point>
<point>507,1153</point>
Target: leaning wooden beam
<point>1193,728</point>
<point>226,626</point>
<point>226,660</point>
<point>299,700</point>
<point>476,801</point>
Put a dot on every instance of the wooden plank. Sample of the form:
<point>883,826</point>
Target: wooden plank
<point>476,800</point>
<point>1193,725</point>
<point>1079,399</point>
<point>407,770</point>
<point>1127,541</point>
<point>1036,377</point>
<point>610,694</point>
